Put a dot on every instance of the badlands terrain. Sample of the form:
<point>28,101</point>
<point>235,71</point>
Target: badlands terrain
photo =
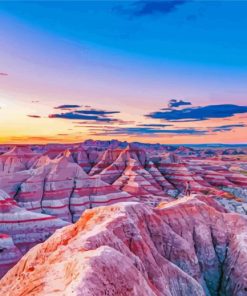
<point>110,218</point>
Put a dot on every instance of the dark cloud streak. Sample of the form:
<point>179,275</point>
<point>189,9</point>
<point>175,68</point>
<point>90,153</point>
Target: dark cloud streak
<point>175,103</point>
<point>97,112</point>
<point>34,116</point>
<point>86,115</point>
<point>67,106</point>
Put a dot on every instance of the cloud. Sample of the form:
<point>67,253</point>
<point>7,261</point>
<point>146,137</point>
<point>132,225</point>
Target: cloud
<point>229,127</point>
<point>78,116</point>
<point>176,103</point>
<point>87,115</point>
<point>95,123</point>
<point>184,120</point>
<point>35,102</point>
<point>158,130</point>
<point>155,125</point>
<point>97,112</point>
<point>34,116</point>
<point>198,113</point>
<point>4,74</point>
<point>67,106</point>
<point>151,131</point>
<point>148,7</point>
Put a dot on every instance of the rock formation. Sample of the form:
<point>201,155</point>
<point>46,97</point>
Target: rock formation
<point>186,247</point>
<point>47,186</point>
<point>60,187</point>
<point>20,230</point>
<point>17,159</point>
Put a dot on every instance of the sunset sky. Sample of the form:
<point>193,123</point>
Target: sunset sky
<point>149,71</point>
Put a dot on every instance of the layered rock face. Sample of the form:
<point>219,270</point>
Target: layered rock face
<point>9,253</point>
<point>64,180</point>
<point>77,154</point>
<point>60,187</point>
<point>17,159</point>
<point>131,171</point>
<point>47,186</point>
<point>186,247</point>
<point>20,230</point>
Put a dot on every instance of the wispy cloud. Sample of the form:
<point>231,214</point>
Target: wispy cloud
<point>95,123</point>
<point>34,116</point>
<point>87,115</point>
<point>97,112</point>
<point>67,106</point>
<point>228,127</point>
<point>154,125</point>
<point>153,131</point>
<point>78,116</point>
<point>160,129</point>
<point>177,103</point>
<point>3,74</point>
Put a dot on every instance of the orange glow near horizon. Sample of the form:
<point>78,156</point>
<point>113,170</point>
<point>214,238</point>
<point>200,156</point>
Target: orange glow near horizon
<point>16,127</point>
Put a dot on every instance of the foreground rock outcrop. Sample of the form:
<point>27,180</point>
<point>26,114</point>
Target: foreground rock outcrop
<point>185,247</point>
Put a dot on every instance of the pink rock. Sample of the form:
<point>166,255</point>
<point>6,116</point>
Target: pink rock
<point>17,159</point>
<point>61,188</point>
<point>9,253</point>
<point>57,182</point>
<point>185,247</point>
<point>20,230</point>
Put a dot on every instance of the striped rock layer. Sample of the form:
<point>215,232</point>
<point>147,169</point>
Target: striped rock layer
<point>48,186</point>
<point>185,247</point>
<point>20,230</point>
<point>64,180</point>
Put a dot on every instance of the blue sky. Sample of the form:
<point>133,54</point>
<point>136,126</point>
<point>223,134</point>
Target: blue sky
<point>204,32</point>
<point>127,56</point>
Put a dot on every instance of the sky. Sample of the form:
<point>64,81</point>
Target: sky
<point>171,72</point>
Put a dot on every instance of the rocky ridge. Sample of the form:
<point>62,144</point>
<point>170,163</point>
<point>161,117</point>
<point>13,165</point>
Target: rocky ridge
<point>185,247</point>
